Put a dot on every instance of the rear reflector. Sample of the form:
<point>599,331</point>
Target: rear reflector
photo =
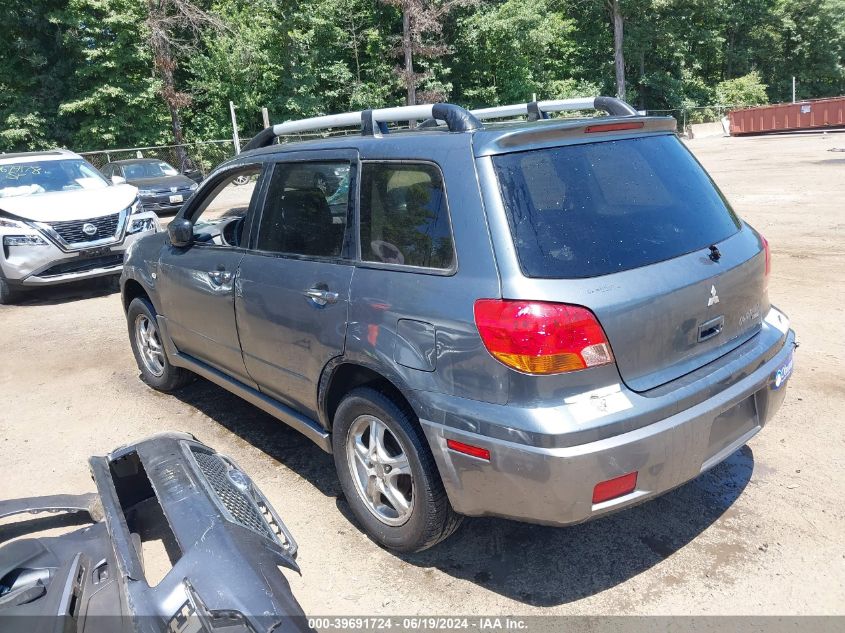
<point>615,487</point>
<point>537,337</point>
<point>614,127</point>
<point>468,449</point>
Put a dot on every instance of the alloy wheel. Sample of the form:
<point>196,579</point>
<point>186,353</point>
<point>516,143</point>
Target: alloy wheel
<point>380,469</point>
<point>149,345</point>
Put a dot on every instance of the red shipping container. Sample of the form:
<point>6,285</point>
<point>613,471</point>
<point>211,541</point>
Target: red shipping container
<point>804,115</point>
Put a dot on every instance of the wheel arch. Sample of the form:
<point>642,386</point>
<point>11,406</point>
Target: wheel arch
<point>132,289</point>
<point>343,375</point>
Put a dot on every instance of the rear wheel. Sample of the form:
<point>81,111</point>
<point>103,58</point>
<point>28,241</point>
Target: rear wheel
<point>388,474</point>
<point>148,349</point>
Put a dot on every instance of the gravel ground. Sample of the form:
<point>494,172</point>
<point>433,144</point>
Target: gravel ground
<point>760,534</point>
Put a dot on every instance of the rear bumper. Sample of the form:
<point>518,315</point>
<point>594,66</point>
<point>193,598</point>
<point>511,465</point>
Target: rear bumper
<point>555,485</point>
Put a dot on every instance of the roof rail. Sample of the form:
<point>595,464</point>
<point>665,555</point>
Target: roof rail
<point>371,122</point>
<point>539,109</point>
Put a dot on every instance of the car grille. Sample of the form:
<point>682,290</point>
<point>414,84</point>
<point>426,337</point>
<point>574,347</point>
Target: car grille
<point>71,231</point>
<point>81,265</point>
<point>246,509</point>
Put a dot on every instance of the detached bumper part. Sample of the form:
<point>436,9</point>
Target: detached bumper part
<point>224,547</point>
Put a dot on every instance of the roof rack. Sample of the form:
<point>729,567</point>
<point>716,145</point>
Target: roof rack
<point>372,122</point>
<point>535,110</point>
<point>456,118</point>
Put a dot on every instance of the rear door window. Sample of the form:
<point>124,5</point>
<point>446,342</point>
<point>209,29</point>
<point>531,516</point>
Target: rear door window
<point>598,208</point>
<point>404,216</point>
<point>306,209</point>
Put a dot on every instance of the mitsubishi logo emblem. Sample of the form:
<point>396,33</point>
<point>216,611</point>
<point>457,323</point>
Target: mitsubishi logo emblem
<point>714,298</point>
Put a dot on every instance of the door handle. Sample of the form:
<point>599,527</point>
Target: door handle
<point>320,296</point>
<point>219,277</point>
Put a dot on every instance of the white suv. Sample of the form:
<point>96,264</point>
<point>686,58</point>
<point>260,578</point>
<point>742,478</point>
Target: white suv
<point>61,220</point>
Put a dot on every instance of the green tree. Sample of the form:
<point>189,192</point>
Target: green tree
<point>112,94</point>
<point>742,91</point>
<point>507,52</point>
<point>34,75</point>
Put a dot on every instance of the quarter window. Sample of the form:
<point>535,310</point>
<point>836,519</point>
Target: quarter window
<point>306,209</point>
<point>404,216</point>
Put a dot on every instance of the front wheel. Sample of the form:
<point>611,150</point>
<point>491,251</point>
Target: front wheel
<point>388,474</point>
<point>7,295</point>
<point>148,349</point>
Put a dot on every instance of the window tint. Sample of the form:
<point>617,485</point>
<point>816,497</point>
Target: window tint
<point>404,216</point>
<point>220,218</point>
<point>598,208</point>
<point>306,209</point>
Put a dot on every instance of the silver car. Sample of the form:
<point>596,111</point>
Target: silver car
<point>546,319</point>
<point>61,220</point>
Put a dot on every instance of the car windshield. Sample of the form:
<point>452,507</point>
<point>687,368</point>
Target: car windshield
<point>599,208</point>
<point>158,169</point>
<point>48,176</point>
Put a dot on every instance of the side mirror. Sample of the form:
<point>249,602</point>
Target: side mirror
<point>118,180</point>
<point>181,232</point>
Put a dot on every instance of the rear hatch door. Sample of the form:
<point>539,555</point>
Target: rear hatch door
<point>635,230</point>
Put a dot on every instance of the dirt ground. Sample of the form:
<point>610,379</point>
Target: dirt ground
<point>761,534</point>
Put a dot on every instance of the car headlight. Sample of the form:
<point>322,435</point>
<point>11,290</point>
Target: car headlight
<point>24,240</point>
<point>194,187</point>
<point>8,223</point>
<point>143,224</point>
<point>135,207</point>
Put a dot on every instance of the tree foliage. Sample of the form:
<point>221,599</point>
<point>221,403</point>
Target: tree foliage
<point>91,74</point>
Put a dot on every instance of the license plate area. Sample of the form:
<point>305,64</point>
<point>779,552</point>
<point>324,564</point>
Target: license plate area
<point>176,198</point>
<point>732,424</point>
<point>94,252</point>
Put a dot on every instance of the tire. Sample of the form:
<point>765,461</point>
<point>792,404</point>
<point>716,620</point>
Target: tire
<point>147,347</point>
<point>428,518</point>
<point>7,295</point>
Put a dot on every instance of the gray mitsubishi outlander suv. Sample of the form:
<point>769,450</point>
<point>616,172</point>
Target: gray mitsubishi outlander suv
<point>496,312</point>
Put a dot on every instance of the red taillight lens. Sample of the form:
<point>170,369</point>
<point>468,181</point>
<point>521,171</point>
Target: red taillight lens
<point>614,127</point>
<point>616,487</point>
<point>768,252</point>
<point>536,337</point>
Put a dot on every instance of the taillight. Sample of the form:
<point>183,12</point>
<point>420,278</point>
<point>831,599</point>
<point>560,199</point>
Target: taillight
<point>537,337</point>
<point>768,251</point>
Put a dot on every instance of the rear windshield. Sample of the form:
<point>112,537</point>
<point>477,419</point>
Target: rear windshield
<point>599,208</point>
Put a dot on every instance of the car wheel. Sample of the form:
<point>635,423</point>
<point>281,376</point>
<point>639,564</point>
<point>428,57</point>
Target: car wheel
<point>148,349</point>
<point>7,295</point>
<point>388,474</point>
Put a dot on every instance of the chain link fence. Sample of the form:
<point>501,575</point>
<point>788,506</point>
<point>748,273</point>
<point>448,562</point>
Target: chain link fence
<point>199,156</point>
<point>202,156</point>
